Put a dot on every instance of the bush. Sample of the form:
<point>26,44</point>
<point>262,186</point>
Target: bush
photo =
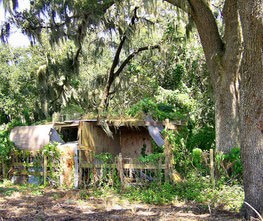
<point>203,138</point>
<point>158,110</point>
<point>229,166</point>
<point>53,162</point>
<point>199,189</point>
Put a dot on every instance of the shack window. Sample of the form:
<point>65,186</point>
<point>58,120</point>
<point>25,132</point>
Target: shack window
<point>69,134</point>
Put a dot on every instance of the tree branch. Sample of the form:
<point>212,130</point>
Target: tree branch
<point>206,26</point>
<point>132,55</point>
<point>75,60</point>
<point>208,31</point>
<point>112,74</point>
<point>123,39</point>
<point>117,55</point>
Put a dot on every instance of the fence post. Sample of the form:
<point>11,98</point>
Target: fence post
<point>80,167</point>
<point>45,170</point>
<point>130,169</point>
<point>160,170</point>
<point>168,155</point>
<point>120,168</point>
<point>212,169</point>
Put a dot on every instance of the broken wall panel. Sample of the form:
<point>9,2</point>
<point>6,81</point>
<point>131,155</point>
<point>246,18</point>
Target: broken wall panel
<point>68,164</point>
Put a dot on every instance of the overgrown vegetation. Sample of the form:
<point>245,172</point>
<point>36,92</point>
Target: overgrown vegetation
<point>40,81</point>
<point>52,155</point>
<point>197,186</point>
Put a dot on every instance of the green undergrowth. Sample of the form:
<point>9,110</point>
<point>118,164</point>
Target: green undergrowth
<point>153,194</point>
<point>194,189</point>
<point>8,189</point>
<point>199,189</point>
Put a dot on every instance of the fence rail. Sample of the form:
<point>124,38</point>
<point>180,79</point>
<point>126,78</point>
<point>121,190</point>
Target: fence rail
<point>129,171</point>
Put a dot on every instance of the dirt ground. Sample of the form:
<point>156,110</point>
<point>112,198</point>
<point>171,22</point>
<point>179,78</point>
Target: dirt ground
<point>55,204</point>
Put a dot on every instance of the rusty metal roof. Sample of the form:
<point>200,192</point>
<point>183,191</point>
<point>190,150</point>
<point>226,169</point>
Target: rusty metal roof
<point>32,138</point>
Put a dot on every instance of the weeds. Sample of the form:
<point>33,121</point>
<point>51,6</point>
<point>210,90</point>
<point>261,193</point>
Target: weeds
<point>199,189</point>
<point>153,194</point>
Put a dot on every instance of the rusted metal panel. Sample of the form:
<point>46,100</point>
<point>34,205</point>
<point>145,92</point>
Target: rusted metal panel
<point>31,138</point>
<point>67,163</point>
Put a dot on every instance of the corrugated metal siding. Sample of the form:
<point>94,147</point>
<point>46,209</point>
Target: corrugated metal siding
<point>31,137</point>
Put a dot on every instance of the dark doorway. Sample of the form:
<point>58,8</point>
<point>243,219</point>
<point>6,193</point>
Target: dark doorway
<point>69,134</point>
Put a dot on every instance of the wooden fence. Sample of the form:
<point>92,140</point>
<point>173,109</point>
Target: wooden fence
<point>133,172</point>
<point>93,171</point>
<point>128,170</point>
<point>28,164</point>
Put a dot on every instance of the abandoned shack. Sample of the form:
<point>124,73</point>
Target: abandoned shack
<point>81,140</point>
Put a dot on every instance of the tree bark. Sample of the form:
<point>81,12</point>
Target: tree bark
<point>251,108</point>
<point>226,95</point>
<point>223,58</point>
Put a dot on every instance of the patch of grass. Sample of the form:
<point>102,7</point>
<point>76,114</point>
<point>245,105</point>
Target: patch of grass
<point>6,183</point>
<point>8,191</point>
<point>195,188</point>
<point>230,198</point>
<point>37,192</point>
<point>7,188</point>
<point>153,194</point>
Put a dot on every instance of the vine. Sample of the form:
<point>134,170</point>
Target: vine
<point>52,154</point>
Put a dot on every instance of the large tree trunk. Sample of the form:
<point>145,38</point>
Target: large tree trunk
<point>251,108</point>
<point>223,58</point>
<point>226,94</point>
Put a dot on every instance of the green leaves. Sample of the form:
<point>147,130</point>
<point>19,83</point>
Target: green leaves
<point>16,93</point>
<point>229,165</point>
<point>6,146</point>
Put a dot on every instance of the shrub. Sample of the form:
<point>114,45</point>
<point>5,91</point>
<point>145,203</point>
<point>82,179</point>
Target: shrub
<point>53,162</point>
<point>152,194</point>
<point>229,166</point>
<point>199,189</point>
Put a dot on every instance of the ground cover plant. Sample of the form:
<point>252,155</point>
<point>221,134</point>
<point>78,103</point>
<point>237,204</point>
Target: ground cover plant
<point>45,203</point>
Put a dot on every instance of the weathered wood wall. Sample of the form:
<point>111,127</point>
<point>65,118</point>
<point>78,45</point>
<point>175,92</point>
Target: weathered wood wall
<point>93,138</point>
<point>133,140</point>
